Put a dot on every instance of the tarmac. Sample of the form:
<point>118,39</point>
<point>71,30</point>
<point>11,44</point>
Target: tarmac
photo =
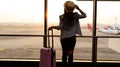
<point>83,53</point>
<point>29,48</point>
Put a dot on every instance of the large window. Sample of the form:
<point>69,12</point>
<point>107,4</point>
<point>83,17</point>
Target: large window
<point>22,28</point>
<point>19,20</point>
<point>108,27</point>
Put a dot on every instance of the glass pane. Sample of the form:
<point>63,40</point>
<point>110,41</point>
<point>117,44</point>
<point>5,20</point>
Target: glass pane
<point>108,26</point>
<point>108,49</point>
<point>108,18</point>
<point>21,17</point>
<point>55,10</point>
<point>20,47</point>
<point>83,49</point>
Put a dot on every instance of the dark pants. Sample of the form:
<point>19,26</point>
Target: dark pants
<point>68,45</point>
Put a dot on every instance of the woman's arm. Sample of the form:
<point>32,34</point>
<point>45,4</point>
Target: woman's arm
<point>54,27</point>
<point>82,12</point>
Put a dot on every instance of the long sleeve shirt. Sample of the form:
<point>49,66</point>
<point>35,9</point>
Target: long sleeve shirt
<point>74,29</point>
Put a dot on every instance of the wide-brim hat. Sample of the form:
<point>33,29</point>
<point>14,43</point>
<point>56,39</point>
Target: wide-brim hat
<point>69,6</point>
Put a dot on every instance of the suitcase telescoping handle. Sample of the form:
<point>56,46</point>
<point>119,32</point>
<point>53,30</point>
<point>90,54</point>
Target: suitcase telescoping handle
<point>52,54</point>
<point>52,43</point>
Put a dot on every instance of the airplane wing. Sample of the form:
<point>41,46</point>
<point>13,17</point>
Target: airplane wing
<point>108,31</point>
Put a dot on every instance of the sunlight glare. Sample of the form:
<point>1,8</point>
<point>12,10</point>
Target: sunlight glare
<point>21,10</point>
<point>33,11</point>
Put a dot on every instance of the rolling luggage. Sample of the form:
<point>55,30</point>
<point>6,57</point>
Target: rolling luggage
<point>48,54</point>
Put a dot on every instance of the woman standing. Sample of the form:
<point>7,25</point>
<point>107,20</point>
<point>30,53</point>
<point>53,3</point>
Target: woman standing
<point>69,27</point>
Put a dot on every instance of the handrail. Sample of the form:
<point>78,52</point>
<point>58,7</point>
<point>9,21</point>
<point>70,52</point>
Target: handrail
<point>22,35</point>
<point>92,36</point>
<point>33,35</point>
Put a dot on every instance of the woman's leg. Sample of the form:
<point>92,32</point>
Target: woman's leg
<point>72,42</point>
<point>64,52</point>
<point>68,45</point>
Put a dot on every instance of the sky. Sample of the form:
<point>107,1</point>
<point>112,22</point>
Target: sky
<point>21,10</point>
<point>27,11</point>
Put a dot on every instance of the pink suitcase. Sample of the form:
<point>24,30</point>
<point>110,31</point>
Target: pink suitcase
<point>48,55</point>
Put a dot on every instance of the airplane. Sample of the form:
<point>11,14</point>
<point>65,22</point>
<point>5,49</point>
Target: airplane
<point>110,29</point>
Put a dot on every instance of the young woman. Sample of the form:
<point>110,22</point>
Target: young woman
<point>69,27</point>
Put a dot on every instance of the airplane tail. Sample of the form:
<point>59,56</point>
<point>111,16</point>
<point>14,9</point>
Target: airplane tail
<point>89,27</point>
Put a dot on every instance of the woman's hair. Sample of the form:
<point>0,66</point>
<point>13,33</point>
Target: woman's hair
<point>68,18</point>
<point>69,6</point>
